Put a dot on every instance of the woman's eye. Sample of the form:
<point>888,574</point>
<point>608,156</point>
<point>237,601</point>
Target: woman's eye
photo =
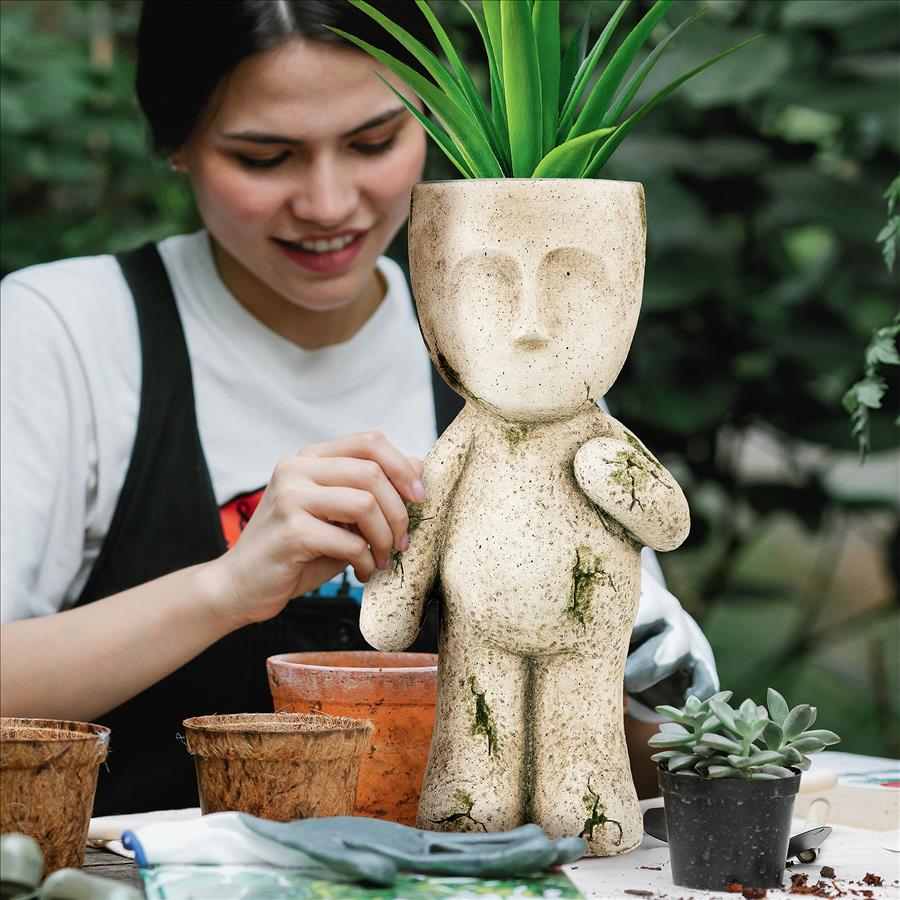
<point>255,162</point>
<point>372,149</point>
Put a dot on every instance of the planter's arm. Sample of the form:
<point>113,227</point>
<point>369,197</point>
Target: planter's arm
<point>623,478</point>
<point>394,599</point>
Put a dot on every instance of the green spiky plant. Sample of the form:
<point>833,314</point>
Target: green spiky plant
<point>712,740</point>
<point>545,120</point>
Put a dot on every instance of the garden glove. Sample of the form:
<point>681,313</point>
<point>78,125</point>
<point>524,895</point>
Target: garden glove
<point>367,850</point>
<point>669,657</point>
<point>373,850</point>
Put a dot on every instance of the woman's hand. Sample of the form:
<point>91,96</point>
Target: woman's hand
<point>334,504</point>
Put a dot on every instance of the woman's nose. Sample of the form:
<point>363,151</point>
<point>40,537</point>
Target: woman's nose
<point>327,197</point>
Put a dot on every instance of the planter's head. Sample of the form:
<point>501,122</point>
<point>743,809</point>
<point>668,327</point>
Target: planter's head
<point>528,290</point>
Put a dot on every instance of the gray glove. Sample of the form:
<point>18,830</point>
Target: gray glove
<point>372,850</point>
<point>669,657</point>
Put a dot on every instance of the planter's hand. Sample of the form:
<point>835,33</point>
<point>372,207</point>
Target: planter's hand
<point>624,480</point>
<point>373,850</point>
<point>669,657</point>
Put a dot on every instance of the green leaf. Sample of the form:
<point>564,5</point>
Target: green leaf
<point>522,83</point>
<point>773,736</point>
<point>748,711</point>
<point>722,696</point>
<point>460,124</point>
<point>498,102</point>
<point>437,133</point>
<point>681,761</point>
<point>673,728</point>
<point>569,159</point>
<point>545,23</point>
<point>666,740</point>
<point>573,58</point>
<point>883,347</point>
<point>721,743</point>
<point>774,771</point>
<point>762,776</point>
<point>820,734</point>
<point>723,772</point>
<point>601,95</point>
<point>622,131</point>
<point>693,704</point>
<point>626,95</point>
<point>585,70</point>
<point>806,745</point>
<point>677,715</point>
<point>663,755</point>
<point>778,708</point>
<point>797,721</point>
<point>476,104</point>
<point>724,713</point>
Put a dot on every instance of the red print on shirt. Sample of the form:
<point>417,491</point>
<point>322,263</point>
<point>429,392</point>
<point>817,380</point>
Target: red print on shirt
<point>235,514</point>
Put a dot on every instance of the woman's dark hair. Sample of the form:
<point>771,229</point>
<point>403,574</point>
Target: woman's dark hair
<point>185,49</point>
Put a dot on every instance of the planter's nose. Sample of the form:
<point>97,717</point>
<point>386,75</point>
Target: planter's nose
<point>528,329</point>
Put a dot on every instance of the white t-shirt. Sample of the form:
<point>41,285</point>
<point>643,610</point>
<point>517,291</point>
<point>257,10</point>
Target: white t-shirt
<point>70,367</point>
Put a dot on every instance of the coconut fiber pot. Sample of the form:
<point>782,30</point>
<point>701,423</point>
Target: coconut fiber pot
<point>48,775</point>
<point>727,830</point>
<point>279,766</point>
<point>396,691</point>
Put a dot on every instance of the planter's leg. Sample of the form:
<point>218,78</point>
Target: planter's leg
<point>583,781</point>
<point>474,777</point>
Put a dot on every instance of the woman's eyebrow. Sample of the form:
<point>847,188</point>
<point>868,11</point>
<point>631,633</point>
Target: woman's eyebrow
<point>260,137</point>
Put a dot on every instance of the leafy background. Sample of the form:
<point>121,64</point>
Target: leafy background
<point>764,180</point>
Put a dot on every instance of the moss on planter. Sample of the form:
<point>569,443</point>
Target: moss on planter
<point>516,435</point>
<point>588,568</point>
<point>483,719</point>
<point>596,815</point>
<point>463,814</point>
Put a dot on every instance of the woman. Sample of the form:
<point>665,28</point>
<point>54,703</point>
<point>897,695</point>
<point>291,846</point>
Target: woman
<point>147,399</point>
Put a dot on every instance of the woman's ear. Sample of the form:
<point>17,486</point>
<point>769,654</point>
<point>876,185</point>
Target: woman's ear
<point>177,162</point>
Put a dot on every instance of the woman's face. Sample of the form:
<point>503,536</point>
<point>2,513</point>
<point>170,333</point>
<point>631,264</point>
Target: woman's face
<point>302,167</point>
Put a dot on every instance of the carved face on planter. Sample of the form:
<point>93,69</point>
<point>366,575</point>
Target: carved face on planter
<point>529,290</point>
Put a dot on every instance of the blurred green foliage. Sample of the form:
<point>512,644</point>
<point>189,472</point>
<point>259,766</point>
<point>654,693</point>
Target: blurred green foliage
<point>764,180</point>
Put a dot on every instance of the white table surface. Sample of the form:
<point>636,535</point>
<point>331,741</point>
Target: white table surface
<point>851,852</point>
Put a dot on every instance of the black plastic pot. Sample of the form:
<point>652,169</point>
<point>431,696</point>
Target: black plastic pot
<point>727,829</point>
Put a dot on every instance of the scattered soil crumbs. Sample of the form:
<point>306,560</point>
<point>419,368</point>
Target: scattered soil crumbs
<point>639,893</point>
<point>827,872</point>
<point>874,880</point>
<point>754,893</point>
<point>652,868</point>
<point>734,887</point>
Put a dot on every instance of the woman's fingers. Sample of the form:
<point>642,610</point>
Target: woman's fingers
<point>368,476</point>
<point>374,446</point>
<point>334,542</point>
<point>352,506</point>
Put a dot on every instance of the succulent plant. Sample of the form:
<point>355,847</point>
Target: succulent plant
<point>549,116</point>
<point>711,739</point>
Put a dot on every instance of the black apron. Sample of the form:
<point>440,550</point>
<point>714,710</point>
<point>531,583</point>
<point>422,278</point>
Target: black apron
<point>167,519</point>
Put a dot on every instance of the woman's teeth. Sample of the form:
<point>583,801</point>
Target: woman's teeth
<point>327,246</point>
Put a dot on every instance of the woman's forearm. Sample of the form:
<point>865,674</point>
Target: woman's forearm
<point>81,663</point>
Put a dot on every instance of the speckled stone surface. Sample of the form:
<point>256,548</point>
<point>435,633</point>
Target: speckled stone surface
<point>538,503</point>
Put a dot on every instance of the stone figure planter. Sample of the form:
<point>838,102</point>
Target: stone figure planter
<point>280,766</point>
<point>48,777</point>
<point>395,691</point>
<point>538,503</point>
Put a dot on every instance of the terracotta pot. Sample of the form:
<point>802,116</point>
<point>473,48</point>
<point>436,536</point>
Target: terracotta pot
<point>277,766</point>
<point>397,691</point>
<point>48,776</point>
